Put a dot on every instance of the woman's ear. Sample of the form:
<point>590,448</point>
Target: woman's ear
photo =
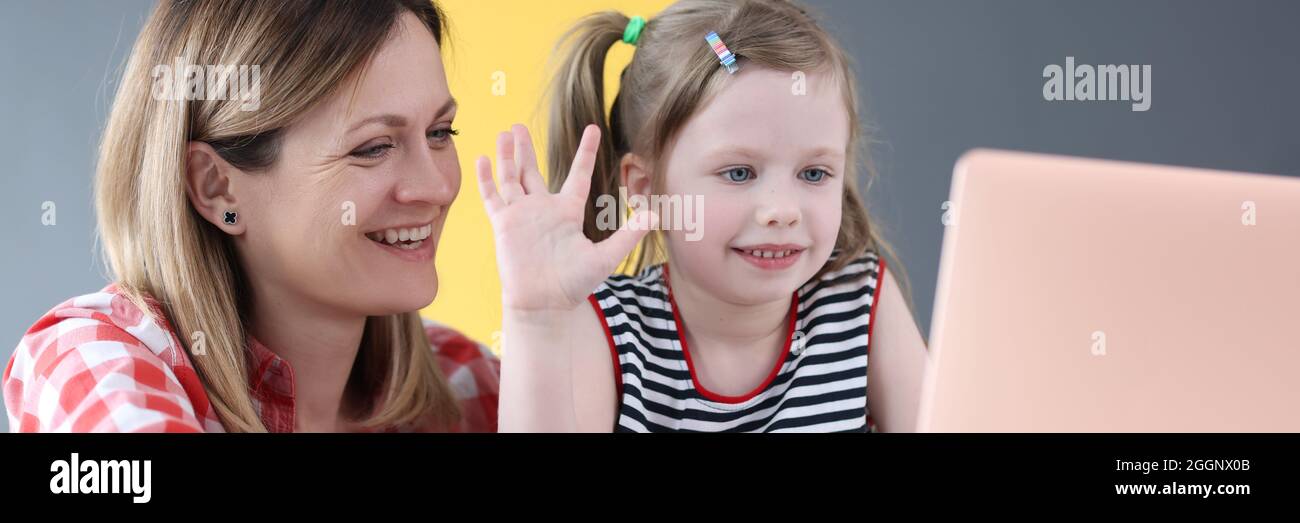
<point>209,188</point>
<point>634,173</point>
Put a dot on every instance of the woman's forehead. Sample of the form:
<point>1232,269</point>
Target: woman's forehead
<point>404,78</point>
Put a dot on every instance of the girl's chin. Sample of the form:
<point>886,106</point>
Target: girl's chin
<point>749,292</point>
<point>742,284</point>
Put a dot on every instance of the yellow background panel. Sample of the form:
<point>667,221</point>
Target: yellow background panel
<point>513,40</point>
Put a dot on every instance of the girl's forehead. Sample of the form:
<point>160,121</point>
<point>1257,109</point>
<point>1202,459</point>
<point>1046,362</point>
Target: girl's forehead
<point>764,111</point>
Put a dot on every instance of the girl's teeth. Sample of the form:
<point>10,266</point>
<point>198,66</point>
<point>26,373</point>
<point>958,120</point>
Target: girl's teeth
<point>403,235</point>
<point>769,254</point>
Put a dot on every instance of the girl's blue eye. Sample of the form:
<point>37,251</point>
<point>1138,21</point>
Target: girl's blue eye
<point>814,175</point>
<point>738,174</point>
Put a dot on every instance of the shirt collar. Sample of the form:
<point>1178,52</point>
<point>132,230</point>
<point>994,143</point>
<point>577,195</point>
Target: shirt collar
<point>272,383</point>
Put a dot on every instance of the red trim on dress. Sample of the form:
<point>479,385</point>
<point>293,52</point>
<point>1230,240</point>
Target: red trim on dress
<point>690,366</point>
<point>875,300</point>
<point>609,336</point>
<point>871,320</point>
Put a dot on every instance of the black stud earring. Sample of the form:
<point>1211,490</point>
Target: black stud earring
<point>230,217</point>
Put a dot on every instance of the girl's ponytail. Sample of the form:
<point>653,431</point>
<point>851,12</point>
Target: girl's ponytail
<point>578,99</point>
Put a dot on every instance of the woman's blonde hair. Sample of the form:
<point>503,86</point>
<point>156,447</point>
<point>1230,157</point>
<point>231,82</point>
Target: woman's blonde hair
<point>160,249</point>
<point>672,75</point>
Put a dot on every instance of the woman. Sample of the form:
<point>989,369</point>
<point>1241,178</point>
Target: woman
<point>270,249</point>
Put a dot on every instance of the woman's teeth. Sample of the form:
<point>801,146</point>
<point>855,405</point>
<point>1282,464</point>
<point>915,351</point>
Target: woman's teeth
<point>768,254</point>
<point>410,238</point>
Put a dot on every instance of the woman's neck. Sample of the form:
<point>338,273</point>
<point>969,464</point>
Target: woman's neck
<point>321,347</point>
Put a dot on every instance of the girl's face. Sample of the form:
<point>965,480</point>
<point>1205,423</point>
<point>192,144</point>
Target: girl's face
<point>768,160</point>
<point>350,214</point>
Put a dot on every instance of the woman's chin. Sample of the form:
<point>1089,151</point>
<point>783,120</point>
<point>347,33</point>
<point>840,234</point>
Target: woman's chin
<point>406,297</point>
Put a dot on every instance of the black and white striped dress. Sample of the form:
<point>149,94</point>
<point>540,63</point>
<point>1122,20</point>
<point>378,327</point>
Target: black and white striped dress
<point>819,383</point>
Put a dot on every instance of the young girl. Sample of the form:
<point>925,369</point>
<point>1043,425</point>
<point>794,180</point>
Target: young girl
<point>760,320</point>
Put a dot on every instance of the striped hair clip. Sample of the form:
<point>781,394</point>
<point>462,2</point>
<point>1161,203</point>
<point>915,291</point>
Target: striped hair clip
<point>724,55</point>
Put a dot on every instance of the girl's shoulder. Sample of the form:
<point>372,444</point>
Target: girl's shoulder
<point>863,270</point>
<point>649,277</point>
<point>649,282</point>
<point>98,362</point>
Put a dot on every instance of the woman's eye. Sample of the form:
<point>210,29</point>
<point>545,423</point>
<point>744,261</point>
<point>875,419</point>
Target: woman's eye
<point>442,135</point>
<point>375,151</point>
<point>814,175</point>
<point>737,174</point>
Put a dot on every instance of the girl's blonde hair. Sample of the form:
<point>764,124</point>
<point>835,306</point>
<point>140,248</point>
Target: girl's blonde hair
<point>159,248</point>
<point>672,75</point>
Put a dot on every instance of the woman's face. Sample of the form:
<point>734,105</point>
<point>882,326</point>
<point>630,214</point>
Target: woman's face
<point>350,213</point>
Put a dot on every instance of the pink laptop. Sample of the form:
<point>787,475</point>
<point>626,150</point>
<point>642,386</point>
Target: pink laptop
<point>1080,295</point>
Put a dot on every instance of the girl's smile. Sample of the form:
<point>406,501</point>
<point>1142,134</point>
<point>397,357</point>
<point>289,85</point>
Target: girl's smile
<point>770,256</point>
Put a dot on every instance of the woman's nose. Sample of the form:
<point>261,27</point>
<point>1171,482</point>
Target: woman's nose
<point>428,178</point>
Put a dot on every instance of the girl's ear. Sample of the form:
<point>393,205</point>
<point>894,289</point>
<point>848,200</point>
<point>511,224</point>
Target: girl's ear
<point>634,173</point>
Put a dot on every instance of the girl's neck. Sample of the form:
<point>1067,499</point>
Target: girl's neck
<point>718,324</point>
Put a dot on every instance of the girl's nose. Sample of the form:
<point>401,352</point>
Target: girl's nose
<point>778,214</point>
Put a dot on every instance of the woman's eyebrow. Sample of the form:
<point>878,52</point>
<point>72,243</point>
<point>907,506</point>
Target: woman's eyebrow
<point>390,120</point>
<point>448,106</point>
<point>397,120</point>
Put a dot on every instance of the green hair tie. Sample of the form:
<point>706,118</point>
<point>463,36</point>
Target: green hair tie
<point>632,32</point>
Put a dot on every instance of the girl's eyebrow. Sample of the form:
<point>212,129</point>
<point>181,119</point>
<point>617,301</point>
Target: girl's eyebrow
<point>825,152</point>
<point>748,152</point>
<point>734,150</point>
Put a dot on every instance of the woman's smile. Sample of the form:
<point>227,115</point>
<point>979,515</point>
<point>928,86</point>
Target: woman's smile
<point>409,243</point>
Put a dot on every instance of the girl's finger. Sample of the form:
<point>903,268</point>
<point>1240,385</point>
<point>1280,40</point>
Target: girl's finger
<point>578,182</point>
<point>526,158</point>
<point>486,187</point>
<point>511,190</point>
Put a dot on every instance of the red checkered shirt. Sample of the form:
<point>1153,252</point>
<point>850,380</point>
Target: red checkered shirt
<point>96,363</point>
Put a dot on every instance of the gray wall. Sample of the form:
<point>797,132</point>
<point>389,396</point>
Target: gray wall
<point>941,77</point>
<point>938,77</point>
<point>59,67</point>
